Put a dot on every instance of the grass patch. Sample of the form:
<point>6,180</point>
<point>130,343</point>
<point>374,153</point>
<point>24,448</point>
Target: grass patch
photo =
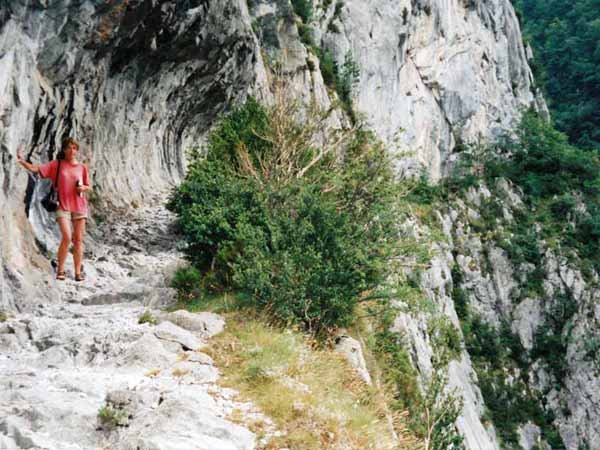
<point>309,390</point>
<point>147,317</point>
<point>111,418</point>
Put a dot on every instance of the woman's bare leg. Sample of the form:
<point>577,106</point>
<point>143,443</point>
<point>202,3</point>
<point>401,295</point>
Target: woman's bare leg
<point>78,233</point>
<point>65,242</point>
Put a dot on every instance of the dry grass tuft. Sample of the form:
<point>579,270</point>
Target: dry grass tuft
<point>177,372</point>
<point>153,373</point>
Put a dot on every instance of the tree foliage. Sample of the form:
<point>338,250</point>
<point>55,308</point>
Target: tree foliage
<point>299,221</point>
<point>565,36</point>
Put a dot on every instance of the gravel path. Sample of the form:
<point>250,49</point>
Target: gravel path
<point>64,362</point>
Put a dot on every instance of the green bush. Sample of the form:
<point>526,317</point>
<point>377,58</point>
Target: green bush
<point>327,65</point>
<point>303,8</point>
<point>347,78</point>
<point>551,338</point>
<point>459,296</point>
<point>305,33</point>
<point>562,206</point>
<point>544,164</point>
<point>187,281</point>
<point>302,238</point>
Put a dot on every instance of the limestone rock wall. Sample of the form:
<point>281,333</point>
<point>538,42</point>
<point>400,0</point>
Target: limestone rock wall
<point>136,82</point>
<point>563,380</point>
<point>433,73</point>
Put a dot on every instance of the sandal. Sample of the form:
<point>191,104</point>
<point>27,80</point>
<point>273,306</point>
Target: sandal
<point>80,277</point>
<point>61,275</point>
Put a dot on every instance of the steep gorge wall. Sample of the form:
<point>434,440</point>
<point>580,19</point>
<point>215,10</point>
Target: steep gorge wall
<point>137,82</point>
<point>545,317</point>
<point>434,73</point>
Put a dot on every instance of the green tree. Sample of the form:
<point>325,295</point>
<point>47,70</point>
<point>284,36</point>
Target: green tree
<point>299,223</point>
<point>565,36</point>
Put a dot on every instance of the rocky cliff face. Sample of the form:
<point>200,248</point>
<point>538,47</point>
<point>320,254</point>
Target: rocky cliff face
<point>531,346</point>
<point>135,82</point>
<point>433,74</point>
<point>138,82</point>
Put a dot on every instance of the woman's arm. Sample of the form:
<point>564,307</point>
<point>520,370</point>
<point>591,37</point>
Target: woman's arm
<point>83,188</point>
<point>31,167</point>
<point>85,185</point>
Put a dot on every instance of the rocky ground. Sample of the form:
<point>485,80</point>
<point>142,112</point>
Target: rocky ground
<point>82,373</point>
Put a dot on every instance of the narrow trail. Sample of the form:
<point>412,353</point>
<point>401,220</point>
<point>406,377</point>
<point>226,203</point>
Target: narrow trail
<point>61,363</point>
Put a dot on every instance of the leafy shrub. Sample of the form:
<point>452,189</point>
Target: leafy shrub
<point>303,8</point>
<point>186,280</point>
<point>445,340</point>
<point>348,76</point>
<point>327,65</point>
<point>551,338</point>
<point>305,33</point>
<point>562,206</point>
<point>591,348</point>
<point>459,296</point>
<point>543,163</point>
<point>423,192</point>
<point>300,226</point>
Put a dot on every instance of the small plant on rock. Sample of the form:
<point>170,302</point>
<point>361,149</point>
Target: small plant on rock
<point>111,418</point>
<point>147,317</point>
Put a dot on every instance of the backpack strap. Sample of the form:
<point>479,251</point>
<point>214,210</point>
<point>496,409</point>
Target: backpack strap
<point>57,173</point>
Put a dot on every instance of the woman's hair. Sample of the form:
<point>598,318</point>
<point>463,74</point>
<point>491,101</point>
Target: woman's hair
<point>65,143</point>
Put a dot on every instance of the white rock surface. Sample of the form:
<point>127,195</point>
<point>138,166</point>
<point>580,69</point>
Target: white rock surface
<point>67,359</point>
<point>434,73</point>
<point>205,324</point>
<point>352,351</point>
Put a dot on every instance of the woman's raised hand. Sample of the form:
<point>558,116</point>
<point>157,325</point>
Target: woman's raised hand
<point>20,153</point>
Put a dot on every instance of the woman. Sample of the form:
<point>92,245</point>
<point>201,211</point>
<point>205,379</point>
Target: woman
<point>73,182</point>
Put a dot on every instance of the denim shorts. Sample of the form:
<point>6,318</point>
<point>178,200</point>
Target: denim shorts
<point>69,215</point>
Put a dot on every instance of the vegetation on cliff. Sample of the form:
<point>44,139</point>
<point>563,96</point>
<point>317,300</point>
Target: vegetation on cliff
<point>564,36</point>
<point>303,224</point>
<point>560,190</point>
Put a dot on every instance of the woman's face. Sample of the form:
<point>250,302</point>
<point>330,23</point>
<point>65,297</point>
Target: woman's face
<point>71,152</point>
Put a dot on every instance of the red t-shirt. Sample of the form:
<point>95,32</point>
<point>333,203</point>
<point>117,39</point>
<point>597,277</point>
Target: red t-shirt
<point>68,197</point>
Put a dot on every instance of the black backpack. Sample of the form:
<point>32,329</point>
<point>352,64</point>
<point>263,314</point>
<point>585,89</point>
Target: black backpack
<point>50,201</point>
